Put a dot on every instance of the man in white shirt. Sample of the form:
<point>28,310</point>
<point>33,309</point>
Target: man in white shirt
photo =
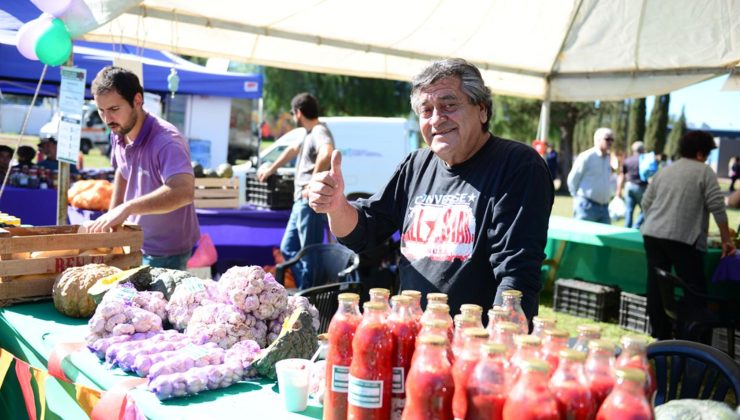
<point>588,180</point>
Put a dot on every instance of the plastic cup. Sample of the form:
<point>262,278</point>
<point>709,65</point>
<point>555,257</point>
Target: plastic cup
<point>293,377</point>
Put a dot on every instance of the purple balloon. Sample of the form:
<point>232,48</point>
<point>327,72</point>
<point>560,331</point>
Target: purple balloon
<point>29,33</point>
<point>53,7</point>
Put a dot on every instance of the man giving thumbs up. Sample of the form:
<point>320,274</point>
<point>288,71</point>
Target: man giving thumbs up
<point>472,208</point>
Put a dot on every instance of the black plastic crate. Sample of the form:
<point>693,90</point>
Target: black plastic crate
<point>633,314</point>
<point>589,300</point>
<point>719,341</point>
<point>276,193</point>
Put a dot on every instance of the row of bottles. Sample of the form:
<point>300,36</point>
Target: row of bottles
<point>32,176</point>
<point>397,362</point>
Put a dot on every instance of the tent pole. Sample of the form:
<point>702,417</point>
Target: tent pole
<point>544,126</point>
<point>63,181</point>
<point>260,107</point>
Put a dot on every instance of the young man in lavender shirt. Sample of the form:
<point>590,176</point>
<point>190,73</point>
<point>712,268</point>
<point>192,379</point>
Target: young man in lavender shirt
<point>154,182</point>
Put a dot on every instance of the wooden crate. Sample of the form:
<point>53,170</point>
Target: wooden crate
<point>24,279</point>
<point>216,193</point>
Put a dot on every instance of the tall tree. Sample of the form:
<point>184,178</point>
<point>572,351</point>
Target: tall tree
<point>655,135</point>
<point>677,131</point>
<point>636,125</point>
<point>565,116</point>
<point>515,118</point>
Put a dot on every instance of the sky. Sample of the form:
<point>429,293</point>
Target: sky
<point>706,103</point>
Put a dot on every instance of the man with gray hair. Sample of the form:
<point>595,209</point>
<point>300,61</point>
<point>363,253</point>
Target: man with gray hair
<point>588,180</point>
<point>630,175</point>
<point>472,208</point>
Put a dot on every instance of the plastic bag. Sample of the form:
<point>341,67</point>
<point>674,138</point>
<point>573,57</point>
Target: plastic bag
<point>617,209</point>
<point>205,255</point>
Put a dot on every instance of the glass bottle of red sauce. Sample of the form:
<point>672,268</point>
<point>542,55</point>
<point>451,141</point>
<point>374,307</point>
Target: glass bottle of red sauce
<point>488,384</point>
<point>436,327</point>
<point>495,315</point>
<point>472,352</point>
<point>512,303</point>
<point>626,401</point>
<point>600,369</point>
<point>542,324</point>
<point>476,311</point>
<point>416,311</point>
<point>371,371</point>
<point>430,384</point>
<point>462,323</point>
<point>382,296</point>
<point>503,333</point>
<point>403,331</point>
<point>438,310</point>
<point>555,340</point>
<point>586,333</point>
<point>339,355</point>
<point>634,355</point>
<point>570,386</point>
<point>527,347</point>
<point>531,398</point>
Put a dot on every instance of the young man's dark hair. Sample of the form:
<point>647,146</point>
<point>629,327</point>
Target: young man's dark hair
<point>695,142</point>
<point>6,149</point>
<point>118,79</point>
<point>26,155</point>
<point>307,104</point>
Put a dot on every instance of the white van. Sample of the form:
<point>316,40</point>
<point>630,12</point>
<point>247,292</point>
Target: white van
<point>372,148</point>
<point>93,131</point>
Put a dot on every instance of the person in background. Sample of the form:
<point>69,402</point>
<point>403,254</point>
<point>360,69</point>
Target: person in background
<point>472,208</point>
<point>734,171</point>
<point>153,184</point>
<point>25,156</point>
<point>6,154</point>
<point>48,147</point>
<point>630,175</point>
<point>588,180</point>
<point>677,204</point>
<point>305,226</point>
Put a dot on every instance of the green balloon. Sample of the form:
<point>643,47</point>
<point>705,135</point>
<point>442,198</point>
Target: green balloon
<point>54,45</point>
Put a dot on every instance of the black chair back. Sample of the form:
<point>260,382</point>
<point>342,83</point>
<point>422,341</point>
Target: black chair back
<point>667,284</point>
<point>685,369</point>
<point>324,298</point>
<point>331,263</point>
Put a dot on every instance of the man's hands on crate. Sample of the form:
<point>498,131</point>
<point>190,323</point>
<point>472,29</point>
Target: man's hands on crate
<point>110,220</point>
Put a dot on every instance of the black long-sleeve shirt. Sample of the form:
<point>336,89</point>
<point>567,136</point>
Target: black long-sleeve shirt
<point>472,230</point>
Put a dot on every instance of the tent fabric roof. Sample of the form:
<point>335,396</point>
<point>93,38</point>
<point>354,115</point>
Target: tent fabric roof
<point>92,56</point>
<point>585,49</point>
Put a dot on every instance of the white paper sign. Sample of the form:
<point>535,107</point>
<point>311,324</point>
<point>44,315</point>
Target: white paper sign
<point>71,98</point>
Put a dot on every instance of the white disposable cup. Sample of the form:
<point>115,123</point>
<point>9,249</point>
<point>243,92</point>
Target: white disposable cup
<point>293,375</point>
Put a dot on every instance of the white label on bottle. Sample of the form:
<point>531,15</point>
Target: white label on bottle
<point>398,381</point>
<point>339,378</point>
<point>365,394</point>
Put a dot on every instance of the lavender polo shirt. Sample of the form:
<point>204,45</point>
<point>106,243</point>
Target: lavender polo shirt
<point>158,153</point>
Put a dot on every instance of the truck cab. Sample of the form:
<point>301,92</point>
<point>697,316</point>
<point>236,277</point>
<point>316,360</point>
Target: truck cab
<point>372,148</point>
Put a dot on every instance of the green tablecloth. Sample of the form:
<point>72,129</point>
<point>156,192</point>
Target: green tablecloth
<point>30,331</point>
<point>604,254</point>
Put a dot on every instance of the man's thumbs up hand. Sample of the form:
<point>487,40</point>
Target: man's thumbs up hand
<point>326,189</point>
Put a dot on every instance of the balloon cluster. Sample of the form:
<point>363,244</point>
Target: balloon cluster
<point>46,38</point>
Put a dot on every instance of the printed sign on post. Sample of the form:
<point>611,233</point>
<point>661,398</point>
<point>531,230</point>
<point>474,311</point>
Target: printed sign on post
<point>71,97</point>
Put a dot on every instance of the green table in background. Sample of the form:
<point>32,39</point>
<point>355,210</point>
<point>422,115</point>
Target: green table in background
<point>605,254</point>
<point>31,330</point>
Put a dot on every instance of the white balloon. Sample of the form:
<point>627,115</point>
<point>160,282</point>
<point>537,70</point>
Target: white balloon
<point>52,7</point>
<point>29,33</point>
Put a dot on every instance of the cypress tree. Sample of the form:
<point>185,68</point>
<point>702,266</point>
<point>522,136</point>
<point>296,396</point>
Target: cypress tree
<point>636,124</point>
<point>655,136</point>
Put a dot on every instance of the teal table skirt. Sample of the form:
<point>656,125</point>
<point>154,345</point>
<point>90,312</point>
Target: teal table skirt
<point>30,332</point>
<point>603,254</point>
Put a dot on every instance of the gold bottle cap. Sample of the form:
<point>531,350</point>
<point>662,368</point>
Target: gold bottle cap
<point>630,374</point>
<point>380,291</point>
<point>439,307</point>
<point>437,297</point>
<point>589,329</point>
<point>374,306</point>
<point>475,332</point>
<point>401,299</point>
<point>556,332</point>
<point>602,344</point>
<point>434,339</point>
<point>570,354</point>
<point>494,348</point>
<point>412,293</point>
<point>506,326</point>
<point>515,293</point>
<point>345,297</point>
<point>527,340</point>
<point>544,320</point>
<point>536,364</point>
<point>471,308</point>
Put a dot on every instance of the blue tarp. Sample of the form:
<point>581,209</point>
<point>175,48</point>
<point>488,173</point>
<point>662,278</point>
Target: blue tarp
<point>17,72</point>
